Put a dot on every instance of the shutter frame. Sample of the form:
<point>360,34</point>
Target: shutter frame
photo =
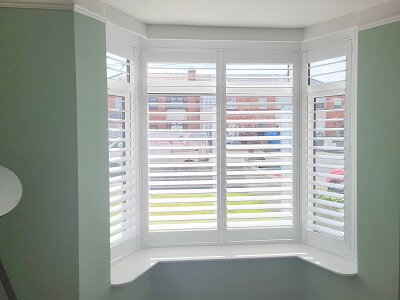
<point>123,151</point>
<point>176,220</point>
<point>320,230</point>
<point>282,222</point>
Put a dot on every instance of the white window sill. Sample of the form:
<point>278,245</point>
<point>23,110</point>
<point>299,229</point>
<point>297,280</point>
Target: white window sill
<point>131,267</point>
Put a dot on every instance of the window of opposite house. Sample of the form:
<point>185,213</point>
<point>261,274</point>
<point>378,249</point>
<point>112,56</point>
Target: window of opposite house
<point>176,103</point>
<point>262,100</point>
<point>337,103</point>
<point>231,100</point>
<point>182,147</point>
<point>153,104</point>
<point>320,102</point>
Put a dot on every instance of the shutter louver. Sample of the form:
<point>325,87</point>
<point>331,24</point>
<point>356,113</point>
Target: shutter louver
<point>182,146</point>
<point>326,147</point>
<point>259,165</point>
<point>122,137</point>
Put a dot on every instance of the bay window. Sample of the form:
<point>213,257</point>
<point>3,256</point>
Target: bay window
<point>225,147</point>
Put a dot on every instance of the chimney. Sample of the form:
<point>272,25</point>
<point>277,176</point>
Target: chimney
<point>192,74</point>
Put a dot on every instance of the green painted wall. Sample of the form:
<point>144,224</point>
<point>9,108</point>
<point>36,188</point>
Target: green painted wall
<point>90,49</point>
<point>94,251</point>
<point>235,280</point>
<point>53,135</point>
<point>378,176</point>
<point>39,239</point>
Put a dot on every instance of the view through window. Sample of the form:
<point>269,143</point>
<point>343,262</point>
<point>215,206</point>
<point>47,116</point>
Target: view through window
<point>182,146</point>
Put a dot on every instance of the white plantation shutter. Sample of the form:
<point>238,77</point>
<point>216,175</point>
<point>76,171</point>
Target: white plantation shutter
<point>259,146</point>
<point>220,150</point>
<point>327,132</point>
<point>182,147</point>
<point>122,141</point>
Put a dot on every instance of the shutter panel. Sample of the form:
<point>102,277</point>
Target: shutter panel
<point>326,147</point>
<point>182,146</point>
<point>119,68</point>
<point>122,141</point>
<point>259,150</point>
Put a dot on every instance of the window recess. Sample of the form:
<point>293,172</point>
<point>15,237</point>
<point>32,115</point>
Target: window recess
<point>220,159</point>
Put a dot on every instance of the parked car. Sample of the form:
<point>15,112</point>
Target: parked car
<point>336,180</point>
<point>173,144</point>
<point>335,172</point>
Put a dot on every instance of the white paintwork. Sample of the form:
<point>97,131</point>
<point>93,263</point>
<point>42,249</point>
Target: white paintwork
<point>381,22</point>
<point>319,18</point>
<point>187,44</point>
<point>365,19</point>
<point>10,190</point>
<point>207,51</point>
<point>138,263</point>
<point>318,49</point>
<point>120,34</point>
<point>124,44</point>
<point>125,269</point>
<point>46,4</point>
<point>223,33</point>
<point>124,21</point>
<point>239,13</point>
<point>89,13</point>
<point>91,8</point>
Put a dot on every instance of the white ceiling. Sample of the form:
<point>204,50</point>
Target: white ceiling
<point>241,13</point>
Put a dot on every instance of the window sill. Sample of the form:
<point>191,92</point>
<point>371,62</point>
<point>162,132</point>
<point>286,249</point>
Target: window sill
<point>131,267</point>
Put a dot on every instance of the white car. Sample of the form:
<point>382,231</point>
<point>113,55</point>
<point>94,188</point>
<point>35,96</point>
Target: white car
<point>179,147</point>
